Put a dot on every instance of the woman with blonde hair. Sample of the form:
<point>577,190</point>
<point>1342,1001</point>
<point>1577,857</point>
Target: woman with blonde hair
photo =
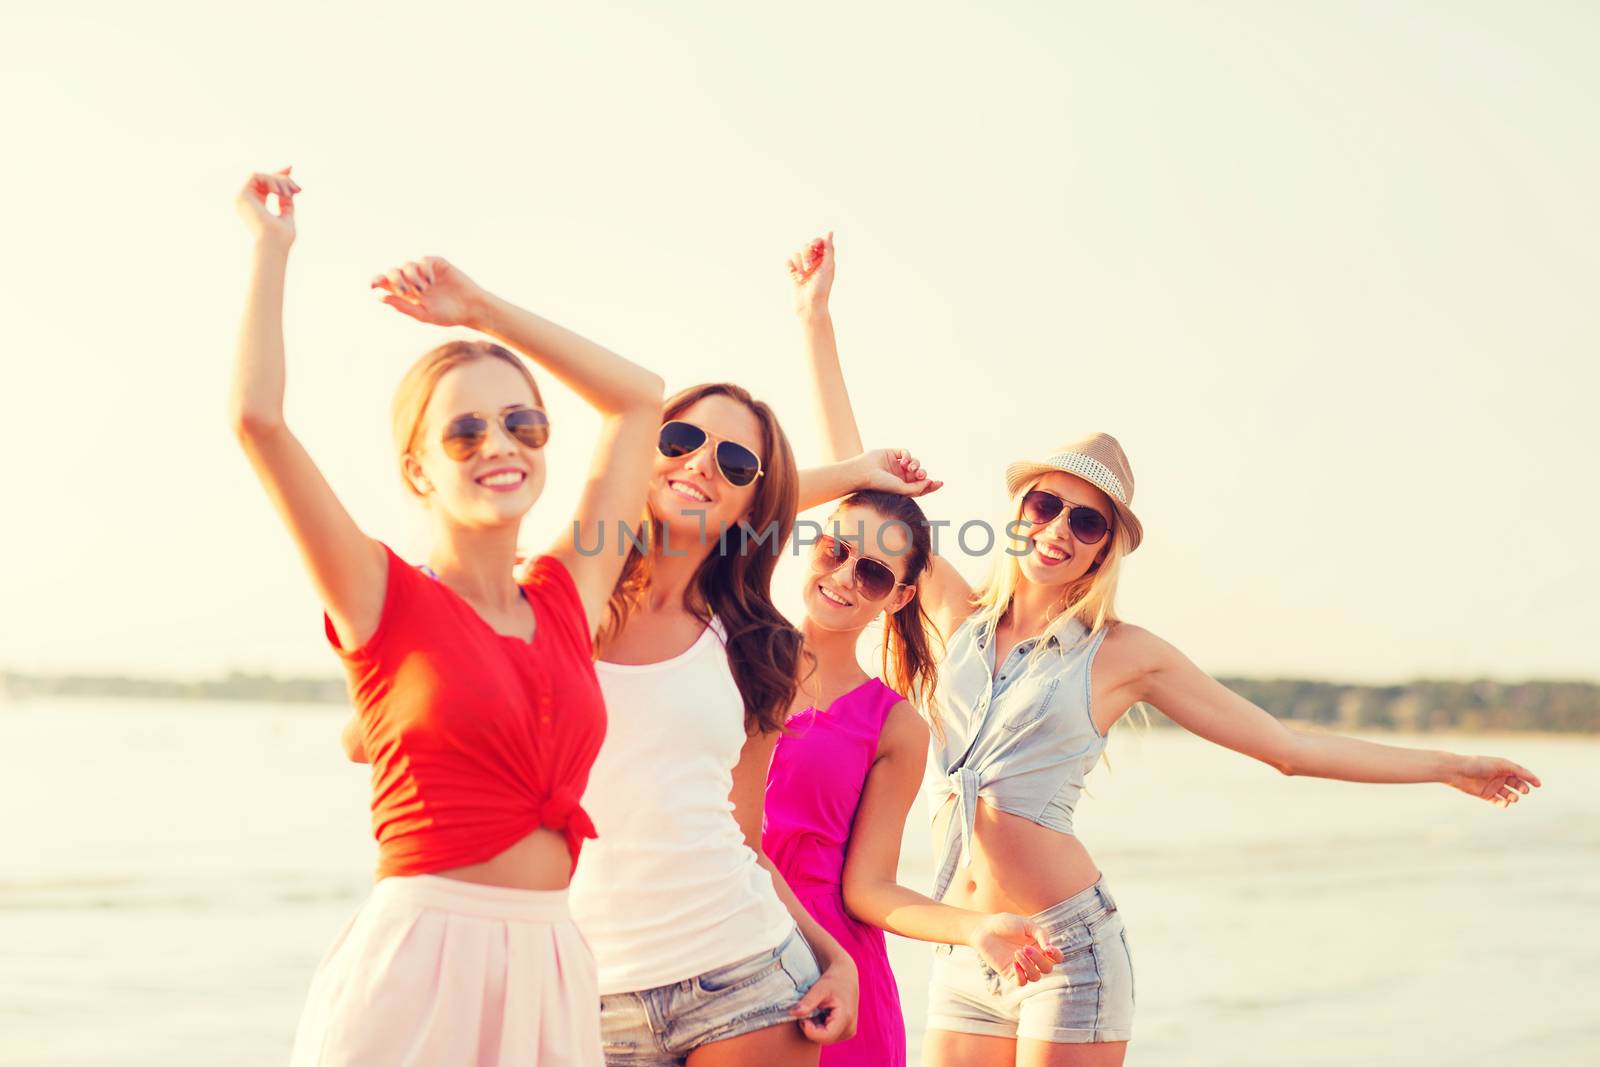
<point>701,950</point>
<point>1037,670</point>
<point>476,699</point>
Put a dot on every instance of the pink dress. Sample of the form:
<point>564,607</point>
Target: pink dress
<point>813,787</point>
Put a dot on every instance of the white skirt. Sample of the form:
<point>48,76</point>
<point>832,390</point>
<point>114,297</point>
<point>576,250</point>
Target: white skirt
<point>434,972</point>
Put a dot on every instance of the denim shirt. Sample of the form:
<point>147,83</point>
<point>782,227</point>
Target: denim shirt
<point>1022,739</point>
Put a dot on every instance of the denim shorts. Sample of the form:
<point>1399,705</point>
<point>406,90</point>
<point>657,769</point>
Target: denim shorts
<point>661,1026</point>
<point>1088,996</point>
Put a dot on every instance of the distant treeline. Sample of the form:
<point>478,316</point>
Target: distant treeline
<point>1567,707</point>
<point>235,686</point>
<point>1417,707</point>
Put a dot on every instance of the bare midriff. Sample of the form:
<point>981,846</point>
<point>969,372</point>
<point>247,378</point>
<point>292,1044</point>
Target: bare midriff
<point>1016,865</point>
<point>538,861</point>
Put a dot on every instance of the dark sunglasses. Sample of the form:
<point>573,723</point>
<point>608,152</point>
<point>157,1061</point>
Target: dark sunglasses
<point>465,434</point>
<point>1088,526</point>
<point>738,464</point>
<point>874,580</point>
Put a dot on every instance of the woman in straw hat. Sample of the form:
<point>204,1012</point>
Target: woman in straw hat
<point>1037,669</point>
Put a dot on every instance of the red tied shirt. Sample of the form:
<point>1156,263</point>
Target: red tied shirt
<point>476,739</point>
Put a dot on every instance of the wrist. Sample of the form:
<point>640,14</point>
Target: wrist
<point>270,247</point>
<point>839,962</point>
<point>482,312</point>
<point>1449,767</point>
<point>813,311</point>
<point>970,926</point>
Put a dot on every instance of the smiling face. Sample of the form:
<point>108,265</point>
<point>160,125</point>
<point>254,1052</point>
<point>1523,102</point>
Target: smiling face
<point>688,494</point>
<point>834,599</point>
<point>1055,557</point>
<point>502,478</point>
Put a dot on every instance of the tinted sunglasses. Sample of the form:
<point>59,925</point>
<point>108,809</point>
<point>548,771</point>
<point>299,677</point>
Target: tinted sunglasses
<point>874,580</point>
<point>1088,526</point>
<point>465,434</point>
<point>738,464</point>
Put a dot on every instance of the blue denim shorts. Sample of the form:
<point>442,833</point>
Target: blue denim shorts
<point>1087,997</point>
<point>661,1026</point>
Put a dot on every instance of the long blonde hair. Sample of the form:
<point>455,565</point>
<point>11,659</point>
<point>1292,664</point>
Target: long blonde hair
<point>1091,599</point>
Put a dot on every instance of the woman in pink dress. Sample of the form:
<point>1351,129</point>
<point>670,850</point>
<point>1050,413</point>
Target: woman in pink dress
<point>843,778</point>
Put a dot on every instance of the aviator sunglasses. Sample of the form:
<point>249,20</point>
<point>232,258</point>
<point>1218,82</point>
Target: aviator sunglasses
<point>874,579</point>
<point>738,464</point>
<point>1088,526</point>
<point>465,434</point>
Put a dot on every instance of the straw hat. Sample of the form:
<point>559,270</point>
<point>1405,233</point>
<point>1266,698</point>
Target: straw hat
<point>1098,460</point>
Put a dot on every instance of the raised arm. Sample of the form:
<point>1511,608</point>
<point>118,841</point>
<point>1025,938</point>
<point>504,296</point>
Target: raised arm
<point>1164,677</point>
<point>627,396</point>
<point>1010,944</point>
<point>946,594</point>
<point>811,272</point>
<point>347,568</point>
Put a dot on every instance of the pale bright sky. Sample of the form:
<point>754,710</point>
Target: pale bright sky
<point>1328,272</point>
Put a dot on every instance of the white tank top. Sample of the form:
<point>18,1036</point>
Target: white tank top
<point>669,890</point>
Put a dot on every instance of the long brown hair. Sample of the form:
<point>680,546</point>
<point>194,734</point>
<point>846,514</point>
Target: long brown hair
<point>734,582</point>
<point>909,662</point>
<point>411,396</point>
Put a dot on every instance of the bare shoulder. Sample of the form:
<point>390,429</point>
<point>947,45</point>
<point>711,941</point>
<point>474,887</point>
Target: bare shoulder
<point>1131,652</point>
<point>904,733</point>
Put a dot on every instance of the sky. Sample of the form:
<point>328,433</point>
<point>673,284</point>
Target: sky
<point>1327,271</point>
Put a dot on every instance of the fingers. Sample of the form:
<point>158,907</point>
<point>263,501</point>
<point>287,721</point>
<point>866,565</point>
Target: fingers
<point>812,1001</point>
<point>1026,965</point>
<point>914,473</point>
<point>1527,776</point>
<point>409,279</point>
<point>834,1027</point>
<point>1042,939</point>
<point>261,185</point>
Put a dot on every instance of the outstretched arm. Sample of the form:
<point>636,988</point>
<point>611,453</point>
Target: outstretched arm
<point>347,567</point>
<point>1166,678</point>
<point>1010,944</point>
<point>627,396</point>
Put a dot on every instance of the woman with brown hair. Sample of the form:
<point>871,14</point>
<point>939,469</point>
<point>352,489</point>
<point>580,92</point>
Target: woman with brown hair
<point>475,694</point>
<point>705,956</point>
<point>1037,668</point>
<point>845,774</point>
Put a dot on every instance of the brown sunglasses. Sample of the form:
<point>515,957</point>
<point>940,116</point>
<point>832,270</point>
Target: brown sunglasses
<point>873,578</point>
<point>465,434</point>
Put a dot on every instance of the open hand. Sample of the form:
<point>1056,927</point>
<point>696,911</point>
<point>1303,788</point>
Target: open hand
<point>264,223</point>
<point>811,271</point>
<point>827,1013</point>
<point>894,470</point>
<point>1015,947</point>
<point>431,290</point>
<point>1496,780</point>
